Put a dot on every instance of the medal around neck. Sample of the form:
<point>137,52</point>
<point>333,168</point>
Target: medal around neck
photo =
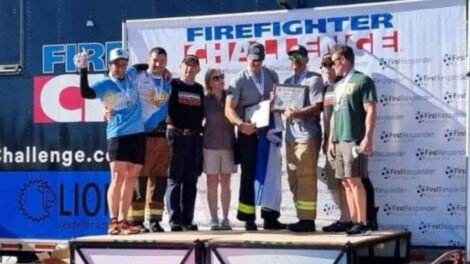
<point>122,99</point>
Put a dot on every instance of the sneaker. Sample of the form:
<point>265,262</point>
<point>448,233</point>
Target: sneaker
<point>113,228</point>
<point>302,226</point>
<point>153,226</point>
<point>358,229</point>
<point>128,229</point>
<point>215,224</point>
<point>273,225</point>
<point>190,227</point>
<point>176,228</point>
<point>337,227</point>
<point>225,225</point>
<point>250,226</point>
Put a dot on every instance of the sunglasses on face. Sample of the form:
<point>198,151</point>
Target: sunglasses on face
<point>218,77</point>
<point>335,60</point>
<point>327,64</point>
<point>296,57</point>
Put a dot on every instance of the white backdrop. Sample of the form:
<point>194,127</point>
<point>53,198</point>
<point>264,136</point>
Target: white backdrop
<point>416,53</point>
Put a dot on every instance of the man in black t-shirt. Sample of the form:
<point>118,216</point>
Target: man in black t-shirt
<point>185,114</point>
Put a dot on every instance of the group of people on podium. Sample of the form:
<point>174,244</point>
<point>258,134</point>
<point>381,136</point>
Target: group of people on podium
<point>163,132</point>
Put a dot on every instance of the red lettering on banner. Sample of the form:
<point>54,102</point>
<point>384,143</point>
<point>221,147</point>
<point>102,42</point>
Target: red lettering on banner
<point>394,43</point>
<point>200,52</point>
<point>231,48</point>
<point>223,52</point>
<point>314,46</point>
<point>57,99</point>
<point>218,59</point>
<point>360,43</point>
<point>39,115</point>
<point>271,47</point>
<point>68,98</point>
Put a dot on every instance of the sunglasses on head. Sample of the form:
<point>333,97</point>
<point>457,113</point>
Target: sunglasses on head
<point>296,57</point>
<point>218,77</point>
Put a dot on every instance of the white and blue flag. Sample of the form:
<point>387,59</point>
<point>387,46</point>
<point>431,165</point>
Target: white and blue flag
<point>269,165</point>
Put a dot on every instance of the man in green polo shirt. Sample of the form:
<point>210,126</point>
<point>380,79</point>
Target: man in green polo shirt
<point>351,129</point>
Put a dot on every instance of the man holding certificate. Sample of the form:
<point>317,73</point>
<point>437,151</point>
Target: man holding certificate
<point>249,87</point>
<point>303,139</point>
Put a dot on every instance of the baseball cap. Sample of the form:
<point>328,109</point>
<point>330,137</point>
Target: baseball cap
<point>256,51</point>
<point>118,53</point>
<point>191,57</point>
<point>298,49</point>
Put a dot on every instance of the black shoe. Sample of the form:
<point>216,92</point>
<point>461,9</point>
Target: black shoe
<point>273,225</point>
<point>190,227</point>
<point>176,228</point>
<point>302,226</point>
<point>358,229</point>
<point>250,226</point>
<point>337,227</point>
<point>154,226</point>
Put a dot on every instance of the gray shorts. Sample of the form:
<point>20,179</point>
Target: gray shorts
<point>346,165</point>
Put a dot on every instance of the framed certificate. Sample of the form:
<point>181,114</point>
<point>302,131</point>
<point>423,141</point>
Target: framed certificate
<point>288,95</point>
<point>258,114</point>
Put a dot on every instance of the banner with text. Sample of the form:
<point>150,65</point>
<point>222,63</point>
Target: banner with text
<point>415,52</point>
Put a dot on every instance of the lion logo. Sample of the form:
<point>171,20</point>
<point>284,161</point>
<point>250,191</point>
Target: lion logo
<point>35,200</point>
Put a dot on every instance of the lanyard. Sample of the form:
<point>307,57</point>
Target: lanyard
<point>259,83</point>
<point>125,90</point>
<point>339,89</point>
<point>158,88</point>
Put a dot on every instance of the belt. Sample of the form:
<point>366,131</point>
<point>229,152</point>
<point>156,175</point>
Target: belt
<point>185,131</point>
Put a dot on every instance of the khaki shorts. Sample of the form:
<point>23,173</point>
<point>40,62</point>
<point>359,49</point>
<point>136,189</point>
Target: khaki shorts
<point>346,165</point>
<point>331,180</point>
<point>218,161</point>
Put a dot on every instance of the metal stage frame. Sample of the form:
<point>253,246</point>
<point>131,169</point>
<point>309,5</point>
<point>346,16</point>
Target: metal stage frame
<point>208,247</point>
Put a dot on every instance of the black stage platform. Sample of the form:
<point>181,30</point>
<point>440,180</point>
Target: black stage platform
<point>243,247</point>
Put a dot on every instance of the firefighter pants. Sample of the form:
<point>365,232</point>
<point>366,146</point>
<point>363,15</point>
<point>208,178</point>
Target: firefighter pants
<point>147,200</point>
<point>302,176</point>
<point>247,147</point>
